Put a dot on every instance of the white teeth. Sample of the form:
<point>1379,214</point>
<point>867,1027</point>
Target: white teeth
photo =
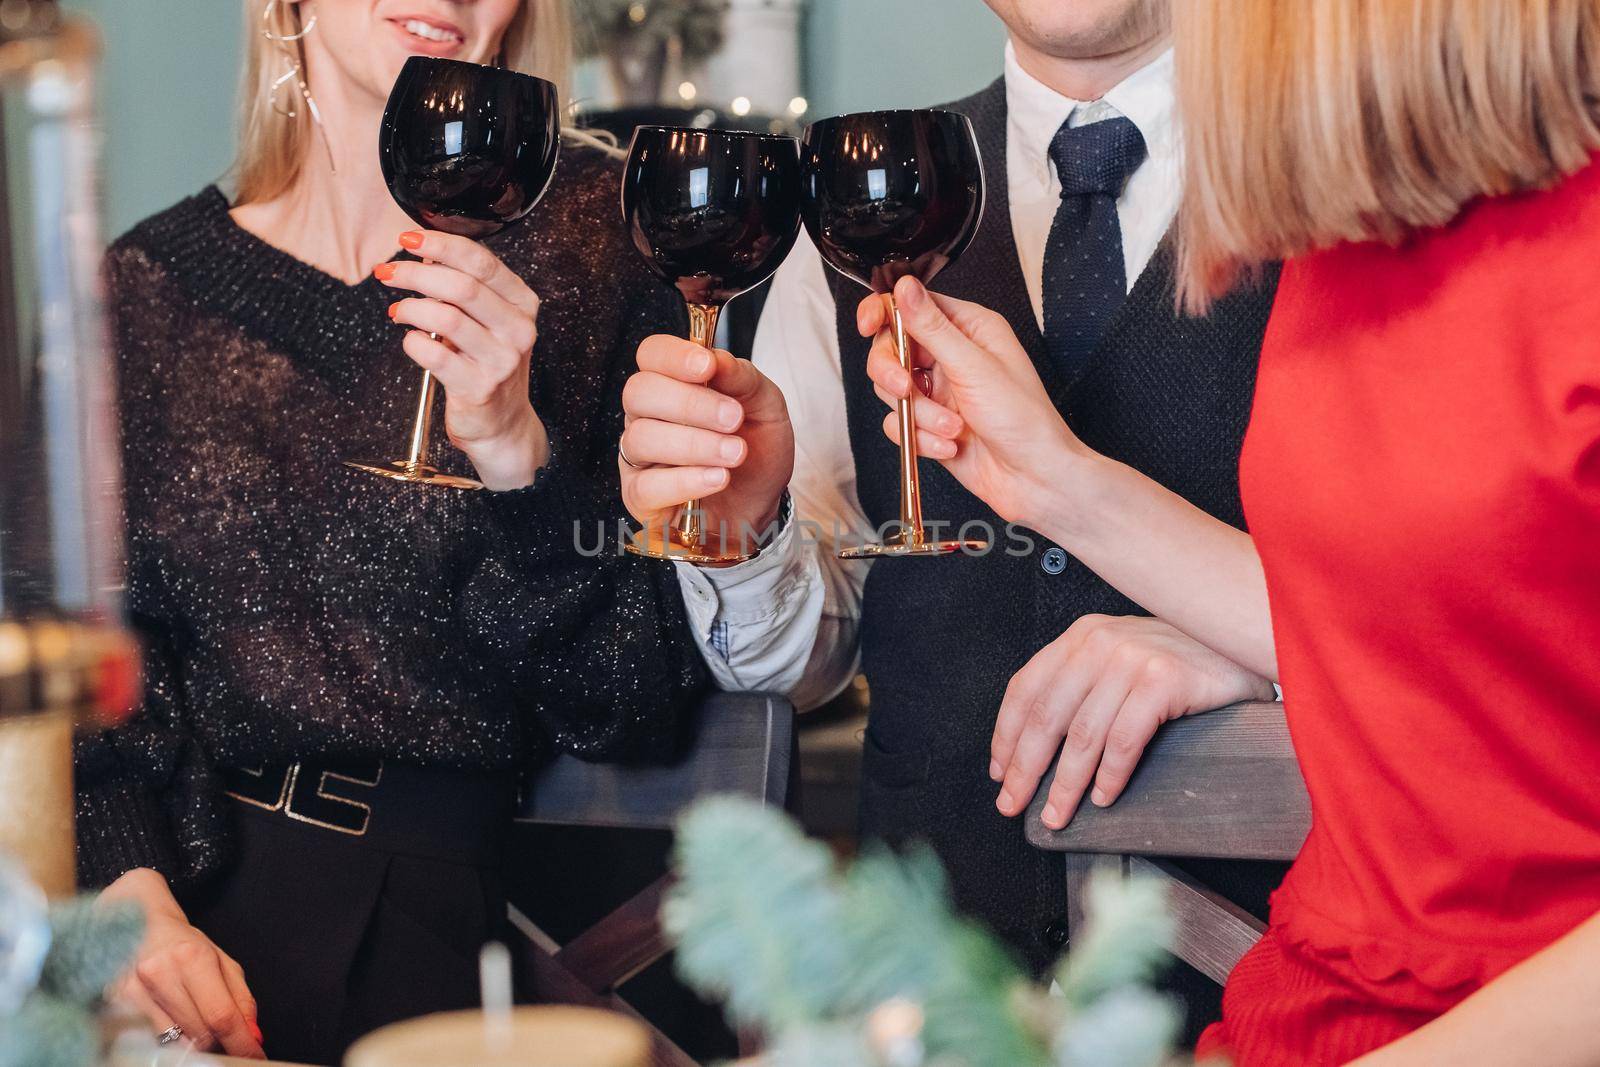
<point>430,33</point>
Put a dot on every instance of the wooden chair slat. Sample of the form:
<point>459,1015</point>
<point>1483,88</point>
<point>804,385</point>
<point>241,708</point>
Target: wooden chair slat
<point>1212,931</point>
<point>1223,785</point>
<point>741,746</point>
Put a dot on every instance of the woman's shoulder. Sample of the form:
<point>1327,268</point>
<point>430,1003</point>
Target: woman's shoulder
<point>577,228</point>
<point>583,195</point>
<point>589,172</point>
<point>154,244</point>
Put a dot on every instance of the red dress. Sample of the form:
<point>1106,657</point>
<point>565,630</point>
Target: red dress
<point>1422,480</point>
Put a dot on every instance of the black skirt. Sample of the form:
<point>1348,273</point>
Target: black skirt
<point>358,897</point>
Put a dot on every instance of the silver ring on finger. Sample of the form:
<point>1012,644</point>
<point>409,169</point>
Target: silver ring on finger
<point>170,1035</point>
<point>636,466</point>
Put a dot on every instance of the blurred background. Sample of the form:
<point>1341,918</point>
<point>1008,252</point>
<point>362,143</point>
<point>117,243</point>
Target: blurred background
<point>171,71</point>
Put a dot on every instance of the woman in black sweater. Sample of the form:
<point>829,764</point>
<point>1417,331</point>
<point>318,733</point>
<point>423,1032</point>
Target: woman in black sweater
<point>345,674</point>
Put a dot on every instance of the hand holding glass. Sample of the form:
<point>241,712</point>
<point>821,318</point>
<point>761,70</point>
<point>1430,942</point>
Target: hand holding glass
<point>468,150</point>
<point>713,212</point>
<point>889,194</point>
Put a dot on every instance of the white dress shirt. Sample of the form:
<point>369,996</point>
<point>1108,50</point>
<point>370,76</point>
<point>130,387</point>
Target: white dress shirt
<point>787,620</point>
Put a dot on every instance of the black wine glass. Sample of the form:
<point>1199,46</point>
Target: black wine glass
<point>889,194</point>
<point>469,150</point>
<point>713,212</point>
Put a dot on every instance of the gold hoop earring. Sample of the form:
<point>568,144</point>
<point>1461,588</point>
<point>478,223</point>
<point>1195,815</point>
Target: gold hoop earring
<point>288,45</point>
<point>266,23</point>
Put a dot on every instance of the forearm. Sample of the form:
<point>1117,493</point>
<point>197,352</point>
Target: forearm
<point>1539,1014</point>
<point>1177,562</point>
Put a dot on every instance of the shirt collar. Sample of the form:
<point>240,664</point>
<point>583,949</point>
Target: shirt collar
<point>1035,111</point>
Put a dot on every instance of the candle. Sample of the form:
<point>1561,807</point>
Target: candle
<point>36,801</point>
<point>531,1037</point>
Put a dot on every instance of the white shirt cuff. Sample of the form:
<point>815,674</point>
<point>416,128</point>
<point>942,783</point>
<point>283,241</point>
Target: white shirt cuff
<point>748,592</point>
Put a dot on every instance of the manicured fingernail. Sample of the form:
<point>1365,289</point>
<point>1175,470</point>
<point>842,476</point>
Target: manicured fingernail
<point>995,770</point>
<point>1098,797</point>
<point>1006,802</point>
<point>731,449</point>
<point>714,478</point>
<point>909,294</point>
<point>1051,814</point>
<point>411,240</point>
<point>949,423</point>
<point>384,271</point>
<point>394,309</point>
<point>728,414</point>
<point>700,362</point>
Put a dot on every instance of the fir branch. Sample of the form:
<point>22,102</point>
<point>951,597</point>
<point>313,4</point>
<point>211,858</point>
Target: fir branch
<point>90,946</point>
<point>756,915</point>
<point>1129,1027</point>
<point>1126,940</point>
<point>48,1032</point>
<point>907,941</point>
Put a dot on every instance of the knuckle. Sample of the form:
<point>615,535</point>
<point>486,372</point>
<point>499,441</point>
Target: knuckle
<point>1061,792</point>
<point>1125,741</point>
<point>632,390</point>
<point>477,260</point>
<point>186,952</point>
<point>1128,656</point>
<point>1038,717</point>
<point>219,1019</point>
<point>503,370</point>
<point>1158,669</point>
<point>1080,735</point>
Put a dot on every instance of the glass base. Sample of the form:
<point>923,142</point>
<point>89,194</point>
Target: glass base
<point>654,545</point>
<point>907,548</point>
<point>403,471</point>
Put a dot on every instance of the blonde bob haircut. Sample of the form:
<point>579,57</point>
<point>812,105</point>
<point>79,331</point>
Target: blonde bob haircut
<point>1311,122</point>
<point>273,146</point>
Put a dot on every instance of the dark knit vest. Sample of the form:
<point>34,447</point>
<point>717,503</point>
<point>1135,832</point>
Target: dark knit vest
<point>941,638</point>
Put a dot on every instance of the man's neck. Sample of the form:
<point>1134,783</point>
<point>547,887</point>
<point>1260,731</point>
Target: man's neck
<point>1090,78</point>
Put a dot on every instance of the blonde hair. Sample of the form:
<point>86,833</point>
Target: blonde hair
<point>1310,122</point>
<point>273,146</point>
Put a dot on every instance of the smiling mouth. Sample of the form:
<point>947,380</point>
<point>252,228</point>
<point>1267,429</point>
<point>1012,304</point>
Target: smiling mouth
<point>430,32</point>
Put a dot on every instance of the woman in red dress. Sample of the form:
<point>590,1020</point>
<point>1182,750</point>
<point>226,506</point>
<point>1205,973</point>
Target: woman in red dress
<point>1422,483</point>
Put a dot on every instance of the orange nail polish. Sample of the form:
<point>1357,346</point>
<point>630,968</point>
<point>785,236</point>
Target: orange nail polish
<point>394,309</point>
<point>411,240</point>
<point>255,1028</point>
<point>384,271</point>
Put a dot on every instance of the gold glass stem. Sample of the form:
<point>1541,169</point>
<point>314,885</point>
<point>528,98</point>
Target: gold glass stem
<point>910,489</point>
<point>422,425</point>
<point>703,332</point>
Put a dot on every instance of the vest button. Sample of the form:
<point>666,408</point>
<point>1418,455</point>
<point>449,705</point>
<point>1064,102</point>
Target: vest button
<point>1054,935</point>
<point>1054,561</point>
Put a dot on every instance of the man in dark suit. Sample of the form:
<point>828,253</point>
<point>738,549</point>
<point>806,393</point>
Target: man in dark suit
<point>983,670</point>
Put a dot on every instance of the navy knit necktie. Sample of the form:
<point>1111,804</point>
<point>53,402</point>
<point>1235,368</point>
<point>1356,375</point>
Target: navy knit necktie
<point>1084,278</point>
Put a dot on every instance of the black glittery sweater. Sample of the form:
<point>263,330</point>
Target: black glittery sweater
<point>294,608</point>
